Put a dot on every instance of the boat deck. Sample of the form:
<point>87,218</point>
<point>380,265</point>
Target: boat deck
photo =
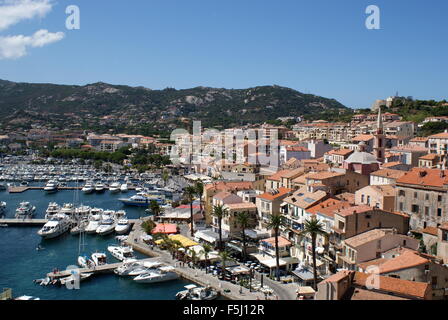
<point>36,222</point>
<point>21,189</point>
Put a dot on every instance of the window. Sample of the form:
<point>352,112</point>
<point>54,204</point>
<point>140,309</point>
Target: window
<point>426,197</point>
<point>362,198</point>
<point>415,195</point>
<point>439,198</point>
<point>439,212</point>
<point>415,208</point>
<point>426,210</point>
<point>401,206</point>
<point>401,193</point>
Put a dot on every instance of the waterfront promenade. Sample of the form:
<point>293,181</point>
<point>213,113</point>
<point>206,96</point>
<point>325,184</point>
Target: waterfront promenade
<point>226,288</point>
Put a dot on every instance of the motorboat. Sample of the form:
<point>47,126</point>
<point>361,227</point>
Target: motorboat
<point>53,208</point>
<point>193,292</point>
<point>161,274</point>
<point>25,210</point>
<point>124,187</point>
<point>67,208</point>
<point>93,224</point>
<point>122,226</point>
<point>72,278</point>
<point>58,224</point>
<point>27,298</point>
<point>51,186</point>
<point>114,187</point>
<point>88,188</point>
<point>80,227</point>
<point>129,266</point>
<point>121,252</point>
<point>99,258</point>
<point>106,227</point>
<point>99,187</point>
<point>85,262</point>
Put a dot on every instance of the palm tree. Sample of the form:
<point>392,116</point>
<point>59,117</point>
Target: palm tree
<point>225,256</point>
<point>275,222</point>
<point>148,226</point>
<point>155,208</point>
<point>243,219</point>
<point>189,193</point>
<point>199,186</point>
<point>206,249</point>
<point>219,212</point>
<point>313,228</point>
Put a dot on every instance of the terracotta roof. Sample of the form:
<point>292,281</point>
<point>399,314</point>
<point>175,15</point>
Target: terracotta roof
<point>353,210</point>
<point>430,230</point>
<point>444,226</point>
<point>293,173</point>
<point>419,139</point>
<point>443,135</point>
<point>408,259</point>
<point>341,152</point>
<point>305,200</point>
<point>338,276</point>
<point>228,186</point>
<point>278,176</point>
<point>270,196</point>
<point>366,237</point>
<point>242,205</point>
<point>328,207</point>
<point>346,196</point>
<point>418,290</point>
<point>324,175</point>
<point>426,177</point>
<point>282,242</point>
<point>391,164</point>
<point>297,149</point>
<point>430,156</point>
<point>385,190</point>
<point>389,173</point>
<point>363,137</point>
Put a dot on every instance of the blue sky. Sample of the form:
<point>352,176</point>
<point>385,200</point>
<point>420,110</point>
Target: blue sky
<point>320,46</point>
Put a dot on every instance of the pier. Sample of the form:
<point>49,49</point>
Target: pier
<point>35,222</point>
<point>21,189</point>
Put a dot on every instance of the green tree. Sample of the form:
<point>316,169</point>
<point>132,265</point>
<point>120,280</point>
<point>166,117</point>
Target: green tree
<point>219,212</point>
<point>225,256</point>
<point>275,222</point>
<point>313,228</point>
<point>199,186</point>
<point>206,249</point>
<point>155,208</point>
<point>189,193</point>
<point>243,220</point>
<point>148,226</point>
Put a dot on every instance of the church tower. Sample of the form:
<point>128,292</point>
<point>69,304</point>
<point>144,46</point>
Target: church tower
<point>379,139</point>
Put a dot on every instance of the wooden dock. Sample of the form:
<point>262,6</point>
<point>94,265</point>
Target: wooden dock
<point>35,222</point>
<point>21,189</point>
<point>23,222</point>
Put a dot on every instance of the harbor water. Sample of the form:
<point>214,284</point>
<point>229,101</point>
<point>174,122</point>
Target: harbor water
<point>21,261</point>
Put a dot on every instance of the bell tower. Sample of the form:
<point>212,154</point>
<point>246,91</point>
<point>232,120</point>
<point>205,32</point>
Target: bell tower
<point>379,138</point>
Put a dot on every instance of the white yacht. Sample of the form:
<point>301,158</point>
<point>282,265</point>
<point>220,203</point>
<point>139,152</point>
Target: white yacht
<point>106,227</point>
<point>121,253</point>
<point>194,292</point>
<point>124,187</point>
<point>53,208</point>
<point>58,224</point>
<point>25,210</point>
<point>51,186</point>
<point>159,275</point>
<point>129,266</point>
<point>114,187</point>
<point>99,187</point>
<point>72,278</point>
<point>80,227</point>
<point>99,258</point>
<point>93,224</point>
<point>88,188</point>
<point>85,262</point>
<point>122,226</point>
<point>67,208</point>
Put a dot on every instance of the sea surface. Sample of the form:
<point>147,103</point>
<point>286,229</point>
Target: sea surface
<point>21,262</point>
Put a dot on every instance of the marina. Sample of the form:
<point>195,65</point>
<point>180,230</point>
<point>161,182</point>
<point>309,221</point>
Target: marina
<point>29,257</point>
